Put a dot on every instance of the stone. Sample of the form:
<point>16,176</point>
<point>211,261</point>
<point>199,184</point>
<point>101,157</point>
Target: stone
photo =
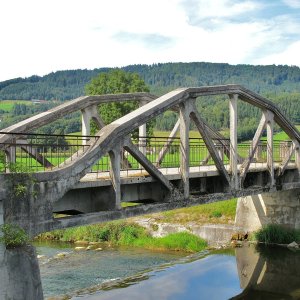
<point>293,245</point>
<point>99,249</point>
<point>81,242</point>
<point>80,248</point>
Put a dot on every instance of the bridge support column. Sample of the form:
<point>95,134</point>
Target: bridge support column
<point>88,114</point>
<point>297,155</point>
<point>270,160</point>
<point>184,112</point>
<point>233,141</point>
<point>85,121</point>
<point>143,134</point>
<point>282,207</point>
<point>10,155</point>
<point>115,161</point>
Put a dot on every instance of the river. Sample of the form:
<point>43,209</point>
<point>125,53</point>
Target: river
<point>242,273</point>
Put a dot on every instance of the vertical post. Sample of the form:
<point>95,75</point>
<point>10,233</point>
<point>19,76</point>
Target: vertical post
<point>297,155</point>
<point>270,158</point>
<point>85,121</point>
<point>184,110</point>
<point>115,161</point>
<point>11,154</point>
<point>142,133</point>
<point>233,140</point>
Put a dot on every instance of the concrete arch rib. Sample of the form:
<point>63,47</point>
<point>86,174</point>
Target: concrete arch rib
<point>114,132</point>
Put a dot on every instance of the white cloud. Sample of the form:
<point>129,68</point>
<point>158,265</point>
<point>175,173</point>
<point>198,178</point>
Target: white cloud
<point>43,36</point>
<point>289,56</point>
<point>292,3</point>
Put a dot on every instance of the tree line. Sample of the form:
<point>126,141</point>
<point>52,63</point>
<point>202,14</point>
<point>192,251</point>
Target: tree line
<point>280,84</point>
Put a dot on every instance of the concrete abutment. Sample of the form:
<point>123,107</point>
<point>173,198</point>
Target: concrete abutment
<point>281,207</point>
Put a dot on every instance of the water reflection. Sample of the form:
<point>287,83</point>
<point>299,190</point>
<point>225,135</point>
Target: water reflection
<point>268,273</point>
<point>253,273</point>
<point>243,273</point>
<point>19,274</point>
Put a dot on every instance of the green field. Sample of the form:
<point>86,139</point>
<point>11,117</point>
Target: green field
<point>7,105</point>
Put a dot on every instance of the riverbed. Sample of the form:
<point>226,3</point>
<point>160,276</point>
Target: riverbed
<point>120,273</point>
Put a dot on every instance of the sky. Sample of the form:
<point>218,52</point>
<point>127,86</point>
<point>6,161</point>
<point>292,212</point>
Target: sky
<point>43,36</point>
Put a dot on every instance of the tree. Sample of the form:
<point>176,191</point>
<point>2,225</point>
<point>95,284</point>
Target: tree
<point>114,82</point>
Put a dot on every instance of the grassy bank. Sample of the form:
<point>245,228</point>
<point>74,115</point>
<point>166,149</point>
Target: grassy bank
<point>276,234</point>
<point>222,212</point>
<point>122,233</point>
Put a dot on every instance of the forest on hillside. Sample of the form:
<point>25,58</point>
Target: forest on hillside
<point>280,84</point>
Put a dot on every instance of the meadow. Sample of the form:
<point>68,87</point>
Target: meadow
<point>7,105</point>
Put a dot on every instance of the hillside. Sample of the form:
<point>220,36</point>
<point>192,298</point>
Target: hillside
<point>66,85</point>
<point>281,84</point>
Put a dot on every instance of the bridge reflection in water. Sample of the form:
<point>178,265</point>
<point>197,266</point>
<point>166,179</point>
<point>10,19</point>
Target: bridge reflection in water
<point>268,273</point>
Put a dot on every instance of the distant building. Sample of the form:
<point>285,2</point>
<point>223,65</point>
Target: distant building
<point>37,101</point>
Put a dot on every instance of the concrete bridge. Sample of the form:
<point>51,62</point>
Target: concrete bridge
<point>88,177</point>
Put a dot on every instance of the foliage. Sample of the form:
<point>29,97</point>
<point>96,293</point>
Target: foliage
<point>277,234</point>
<point>13,236</point>
<point>122,233</point>
<point>113,82</point>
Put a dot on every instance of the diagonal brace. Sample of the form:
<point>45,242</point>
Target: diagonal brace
<point>209,143</point>
<point>149,167</point>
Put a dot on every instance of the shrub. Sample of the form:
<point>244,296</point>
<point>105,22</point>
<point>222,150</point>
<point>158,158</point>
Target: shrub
<point>273,233</point>
<point>13,236</point>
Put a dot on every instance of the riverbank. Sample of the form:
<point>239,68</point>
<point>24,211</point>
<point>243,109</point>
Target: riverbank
<point>185,229</point>
<point>126,233</point>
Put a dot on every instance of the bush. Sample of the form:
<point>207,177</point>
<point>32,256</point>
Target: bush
<point>13,236</point>
<point>277,234</point>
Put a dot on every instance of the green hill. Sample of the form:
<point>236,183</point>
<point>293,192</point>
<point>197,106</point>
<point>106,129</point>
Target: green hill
<point>281,84</point>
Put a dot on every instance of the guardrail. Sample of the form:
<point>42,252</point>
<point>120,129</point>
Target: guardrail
<point>44,152</point>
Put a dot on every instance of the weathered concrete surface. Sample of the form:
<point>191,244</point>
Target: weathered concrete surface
<point>214,234</point>
<point>1,213</point>
<point>281,207</point>
<point>19,274</point>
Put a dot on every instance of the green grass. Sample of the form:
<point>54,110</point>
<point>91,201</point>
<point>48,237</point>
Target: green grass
<point>276,234</point>
<point>7,105</point>
<point>122,233</point>
<point>222,212</point>
<point>281,136</point>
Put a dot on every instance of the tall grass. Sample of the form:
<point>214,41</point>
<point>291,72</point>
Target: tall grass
<point>122,233</point>
<point>276,234</point>
<point>222,212</point>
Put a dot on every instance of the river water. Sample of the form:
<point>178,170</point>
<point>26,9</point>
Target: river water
<point>249,272</point>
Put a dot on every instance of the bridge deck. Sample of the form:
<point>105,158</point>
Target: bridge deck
<point>141,176</point>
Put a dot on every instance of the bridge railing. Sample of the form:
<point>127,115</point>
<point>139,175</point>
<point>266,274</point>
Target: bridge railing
<point>41,152</point>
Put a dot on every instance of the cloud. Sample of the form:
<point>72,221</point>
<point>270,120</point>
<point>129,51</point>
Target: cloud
<point>292,3</point>
<point>215,13</point>
<point>52,35</point>
<point>154,41</point>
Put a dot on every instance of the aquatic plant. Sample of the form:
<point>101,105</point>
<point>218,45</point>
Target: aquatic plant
<point>276,234</point>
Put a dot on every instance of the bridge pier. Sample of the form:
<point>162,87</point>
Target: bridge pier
<point>281,207</point>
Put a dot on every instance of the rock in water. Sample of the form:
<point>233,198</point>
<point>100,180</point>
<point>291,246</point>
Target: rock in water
<point>293,245</point>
